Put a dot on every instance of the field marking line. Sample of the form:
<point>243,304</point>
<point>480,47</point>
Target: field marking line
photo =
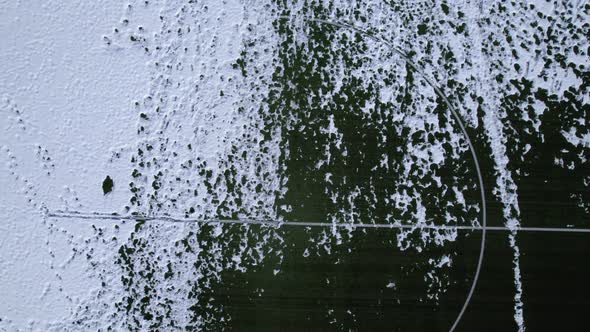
<point>279,223</point>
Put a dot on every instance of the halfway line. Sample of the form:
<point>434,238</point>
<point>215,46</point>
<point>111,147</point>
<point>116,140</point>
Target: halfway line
<point>278,223</point>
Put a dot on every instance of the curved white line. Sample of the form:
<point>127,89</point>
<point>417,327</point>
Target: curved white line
<point>463,130</point>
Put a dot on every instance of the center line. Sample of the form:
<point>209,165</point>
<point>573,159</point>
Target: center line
<point>278,223</point>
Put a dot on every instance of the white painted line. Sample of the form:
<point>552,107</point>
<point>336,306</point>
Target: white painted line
<point>278,223</point>
<point>455,114</point>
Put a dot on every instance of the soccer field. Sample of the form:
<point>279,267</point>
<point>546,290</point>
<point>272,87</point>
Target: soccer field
<point>295,165</point>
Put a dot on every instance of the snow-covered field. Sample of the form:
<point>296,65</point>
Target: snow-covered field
<point>378,126</point>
